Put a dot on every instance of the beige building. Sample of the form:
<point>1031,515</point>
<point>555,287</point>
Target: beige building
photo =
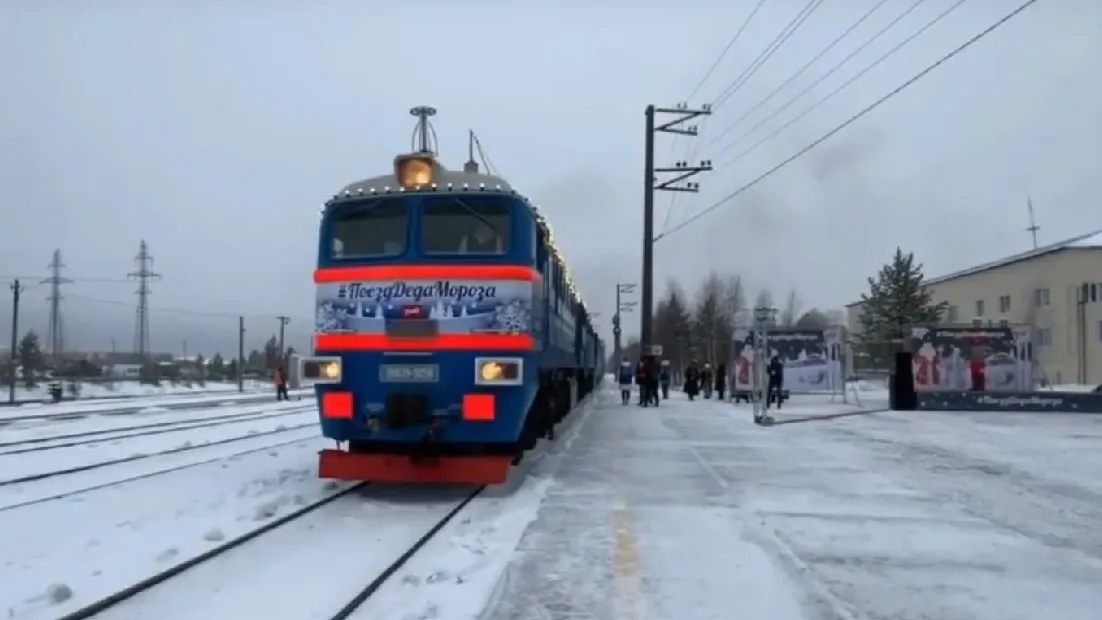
<point>1042,288</point>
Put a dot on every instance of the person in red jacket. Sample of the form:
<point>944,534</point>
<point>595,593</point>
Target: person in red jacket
<point>280,380</point>
<point>979,374</point>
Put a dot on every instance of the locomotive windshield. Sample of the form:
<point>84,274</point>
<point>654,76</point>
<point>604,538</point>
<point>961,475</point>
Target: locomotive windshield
<point>373,229</point>
<point>465,225</point>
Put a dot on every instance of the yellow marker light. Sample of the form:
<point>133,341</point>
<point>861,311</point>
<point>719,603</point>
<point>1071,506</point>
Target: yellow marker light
<point>491,371</point>
<point>498,371</point>
<point>331,370</point>
<point>413,171</point>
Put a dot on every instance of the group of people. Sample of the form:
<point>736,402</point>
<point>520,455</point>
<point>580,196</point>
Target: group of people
<point>651,375</point>
<point>653,379</point>
<point>705,380</point>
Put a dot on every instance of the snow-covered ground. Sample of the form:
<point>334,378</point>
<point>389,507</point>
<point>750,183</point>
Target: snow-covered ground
<point>121,388</point>
<point>85,546</point>
<point>684,511</point>
<point>691,511</point>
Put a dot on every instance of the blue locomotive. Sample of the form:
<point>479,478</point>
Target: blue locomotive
<point>450,336</point>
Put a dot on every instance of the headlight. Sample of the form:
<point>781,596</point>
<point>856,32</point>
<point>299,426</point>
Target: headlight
<point>321,369</point>
<point>498,371</point>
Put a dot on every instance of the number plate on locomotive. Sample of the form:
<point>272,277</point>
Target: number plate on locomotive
<point>409,373</point>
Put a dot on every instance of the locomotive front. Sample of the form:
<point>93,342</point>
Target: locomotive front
<point>423,352</point>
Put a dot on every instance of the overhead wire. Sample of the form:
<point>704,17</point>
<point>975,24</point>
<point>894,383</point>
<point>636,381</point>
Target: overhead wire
<point>778,42</point>
<point>690,151</point>
<point>847,83</point>
<point>823,52</point>
<point>828,135</point>
<point>834,69</point>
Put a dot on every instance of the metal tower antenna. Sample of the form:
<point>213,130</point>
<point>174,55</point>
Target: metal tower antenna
<point>145,276</point>
<point>1033,227</point>
<point>471,166</point>
<point>424,135</point>
<point>56,335</point>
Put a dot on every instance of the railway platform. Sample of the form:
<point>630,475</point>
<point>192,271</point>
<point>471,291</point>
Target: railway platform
<point>689,510</point>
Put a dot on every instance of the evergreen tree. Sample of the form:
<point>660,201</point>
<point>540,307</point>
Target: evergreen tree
<point>217,367</point>
<point>897,300</point>
<point>30,357</point>
<point>271,354</point>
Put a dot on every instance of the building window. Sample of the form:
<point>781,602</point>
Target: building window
<point>1040,297</point>
<point>952,315</point>
<point>979,308</point>
<point>1043,337</point>
<point>1004,304</point>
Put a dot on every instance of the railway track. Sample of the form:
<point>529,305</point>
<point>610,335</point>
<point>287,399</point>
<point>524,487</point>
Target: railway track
<point>39,495</point>
<point>138,457</point>
<point>76,412</point>
<point>326,537</point>
<point>70,440</point>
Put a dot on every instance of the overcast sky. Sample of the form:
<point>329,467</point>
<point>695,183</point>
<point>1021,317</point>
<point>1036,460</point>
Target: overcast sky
<point>215,130</point>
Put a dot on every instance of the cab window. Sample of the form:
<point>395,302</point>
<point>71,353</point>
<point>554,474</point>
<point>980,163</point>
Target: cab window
<point>373,229</point>
<point>465,225</point>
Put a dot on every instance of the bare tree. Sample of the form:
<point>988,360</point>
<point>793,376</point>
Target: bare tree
<point>709,316</point>
<point>791,310</point>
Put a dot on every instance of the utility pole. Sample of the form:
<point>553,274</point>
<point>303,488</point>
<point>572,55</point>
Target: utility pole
<point>621,306</point>
<point>145,277</point>
<point>1033,227</point>
<point>15,290</point>
<point>240,354</point>
<point>283,321</point>
<point>681,171</point>
<point>56,334</point>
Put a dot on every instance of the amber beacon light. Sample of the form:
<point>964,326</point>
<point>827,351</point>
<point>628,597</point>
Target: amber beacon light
<point>414,170</point>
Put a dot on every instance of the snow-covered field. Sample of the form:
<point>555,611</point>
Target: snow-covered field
<point>120,389</point>
<point>138,405</point>
<point>688,510</point>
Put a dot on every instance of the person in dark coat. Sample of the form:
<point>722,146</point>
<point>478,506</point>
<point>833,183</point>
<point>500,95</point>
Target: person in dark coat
<point>624,377</point>
<point>776,381</point>
<point>664,379</point>
<point>707,380</point>
<point>721,381</point>
<point>651,381</point>
<point>640,380</point>
<point>692,380</point>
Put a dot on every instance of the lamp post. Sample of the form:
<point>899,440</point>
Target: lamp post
<point>763,318</point>
<point>621,306</point>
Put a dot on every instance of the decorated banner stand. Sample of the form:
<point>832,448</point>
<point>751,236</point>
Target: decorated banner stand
<point>813,363</point>
<point>978,368</point>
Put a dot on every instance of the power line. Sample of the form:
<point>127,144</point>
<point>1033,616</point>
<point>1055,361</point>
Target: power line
<point>823,52</point>
<point>848,82</point>
<point>778,42</point>
<point>820,80</point>
<point>723,54</point>
<point>690,151</point>
<point>169,310</point>
<point>852,119</point>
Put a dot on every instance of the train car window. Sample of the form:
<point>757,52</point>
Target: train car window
<point>465,225</point>
<point>371,229</point>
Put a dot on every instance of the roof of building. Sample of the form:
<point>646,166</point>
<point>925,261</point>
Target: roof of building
<point>1089,240</point>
